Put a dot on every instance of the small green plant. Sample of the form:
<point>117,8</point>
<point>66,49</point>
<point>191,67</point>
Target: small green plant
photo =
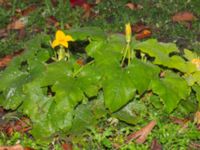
<point>59,95</point>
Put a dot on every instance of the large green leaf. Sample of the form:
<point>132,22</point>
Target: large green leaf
<point>171,89</point>
<point>141,74</point>
<point>161,52</point>
<point>118,89</point>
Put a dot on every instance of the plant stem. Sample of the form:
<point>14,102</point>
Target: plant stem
<point>81,68</point>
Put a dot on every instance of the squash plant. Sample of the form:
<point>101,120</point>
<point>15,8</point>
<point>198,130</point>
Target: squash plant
<point>62,95</point>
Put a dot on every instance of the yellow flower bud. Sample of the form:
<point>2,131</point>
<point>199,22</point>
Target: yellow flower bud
<point>128,32</point>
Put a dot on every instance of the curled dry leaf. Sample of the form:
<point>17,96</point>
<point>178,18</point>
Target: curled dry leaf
<point>134,6</point>
<point>15,147</point>
<point>141,135</point>
<point>183,16</point>
<point>155,145</point>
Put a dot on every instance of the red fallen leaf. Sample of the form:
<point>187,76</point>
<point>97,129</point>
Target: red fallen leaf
<point>4,61</point>
<point>142,134</point>
<point>134,6</point>
<point>144,34</point>
<point>15,147</point>
<point>77,2</point>
<point>183,16</point>
<point>155,145</point>
<point>16,25</point>
<point>67,146</point>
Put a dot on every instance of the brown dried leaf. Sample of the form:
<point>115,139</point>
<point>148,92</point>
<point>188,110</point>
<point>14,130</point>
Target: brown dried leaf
<point>67,146</point>
<point>144,34</point>
<point>3,33</point>
<point>138,27</point>
<point>16,25</point>
<point>87,10</point>
<point>134,6</point>
<point>141,135</point>
<point>155,145</point>
<point>15,147</point>
<point>28,10</point>
<point>179,121</point>
<point>4,61</point>
<point>197,118</point>
<point>183,16</point>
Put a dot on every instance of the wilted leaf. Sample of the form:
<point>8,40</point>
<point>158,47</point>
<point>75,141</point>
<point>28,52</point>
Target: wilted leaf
<point>141,135</point>
<point>183,16</point>
<point>87,10</point>
<point>134,6</point>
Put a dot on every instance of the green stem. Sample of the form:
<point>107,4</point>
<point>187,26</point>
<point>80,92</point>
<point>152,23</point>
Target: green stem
<point>80,69</point>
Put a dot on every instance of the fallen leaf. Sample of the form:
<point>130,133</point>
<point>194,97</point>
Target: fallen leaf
<point>15,147</point>
<point>97,1</point>
<point>139,27</point>
<point>16,25</point>
<point>155,145</point>
<point>87,10</point>
<point>144,34</point>
<point>197,118</point>
<point>51,20</point>
<point>77,2</point>
<point>28,10</point>
<point>179,121</point>
<point>134,6</point>
<point>22,125</point>
<point>81,62</point>
<point>5,60</point>
<point>194,146</point>
<point>3,33</point>
<point>67,146</point>
<point>141,135</point>
<point>183,16</point>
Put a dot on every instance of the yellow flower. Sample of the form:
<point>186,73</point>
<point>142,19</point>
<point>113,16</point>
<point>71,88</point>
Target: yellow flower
<point>61,39</point>
<point>196,61</point>
<point>128,32</point>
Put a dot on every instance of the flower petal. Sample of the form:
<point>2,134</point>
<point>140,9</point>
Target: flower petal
<point>68,38</point>
<point>55,43</point>
<point>64,43</point>
<point>60,35</point>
